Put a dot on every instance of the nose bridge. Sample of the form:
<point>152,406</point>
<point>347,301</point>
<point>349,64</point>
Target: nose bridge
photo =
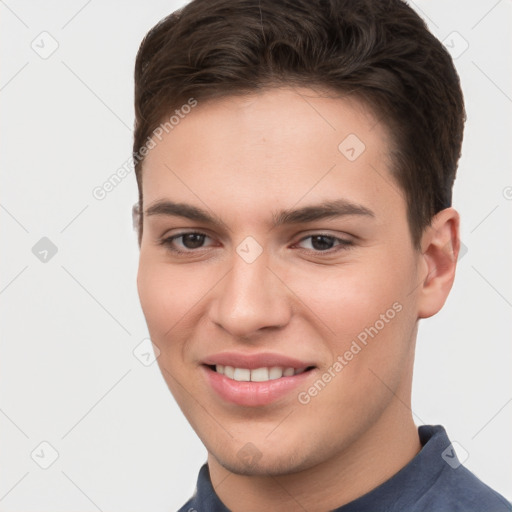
<point>251,297</point>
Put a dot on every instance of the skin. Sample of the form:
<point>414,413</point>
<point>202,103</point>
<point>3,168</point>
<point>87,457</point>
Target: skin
<point>241,159</point>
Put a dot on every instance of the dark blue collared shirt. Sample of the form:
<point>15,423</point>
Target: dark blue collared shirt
<point>434,481</point>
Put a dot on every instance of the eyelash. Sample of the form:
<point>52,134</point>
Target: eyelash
<point>343,244</point>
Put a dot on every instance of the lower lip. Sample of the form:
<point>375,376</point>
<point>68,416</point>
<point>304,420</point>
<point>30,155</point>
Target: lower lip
<point>253,394</point>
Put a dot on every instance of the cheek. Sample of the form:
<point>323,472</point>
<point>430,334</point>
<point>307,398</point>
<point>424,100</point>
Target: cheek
<point>153,296</point>
<point>356,297</point>
<point>165,296</point>
<point>172,297</point>
<point>165,303</point>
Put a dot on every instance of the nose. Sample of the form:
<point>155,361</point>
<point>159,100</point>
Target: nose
<point>250,299</point>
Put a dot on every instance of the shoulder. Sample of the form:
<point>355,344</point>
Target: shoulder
<point>204,499</point>
<point>459,490</point>
<point>441,482</point>
<point>188,507</point>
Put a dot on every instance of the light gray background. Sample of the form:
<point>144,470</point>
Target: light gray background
<point>69,325</point>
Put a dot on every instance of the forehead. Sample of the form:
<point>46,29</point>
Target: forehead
<point>277,146</point>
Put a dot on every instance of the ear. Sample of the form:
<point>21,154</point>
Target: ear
<point>440,246</point>
<point>136,220</point>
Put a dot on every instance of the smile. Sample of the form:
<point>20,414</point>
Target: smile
<point>263,374</point>
<point>255,387</point>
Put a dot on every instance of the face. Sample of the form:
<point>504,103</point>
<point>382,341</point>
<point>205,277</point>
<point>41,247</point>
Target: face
<point>277,276</point>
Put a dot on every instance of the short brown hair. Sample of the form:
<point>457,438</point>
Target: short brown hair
<point>379,51</point>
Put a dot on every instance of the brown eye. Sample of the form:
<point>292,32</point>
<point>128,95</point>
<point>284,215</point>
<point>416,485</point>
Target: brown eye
<point>193,240</point>
<point>322,243</point>
<point>186,242</point>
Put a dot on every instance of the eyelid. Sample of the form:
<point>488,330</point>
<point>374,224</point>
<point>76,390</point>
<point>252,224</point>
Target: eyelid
<point>167,241</point>
<point>344,243</point>
<point>344,237</point>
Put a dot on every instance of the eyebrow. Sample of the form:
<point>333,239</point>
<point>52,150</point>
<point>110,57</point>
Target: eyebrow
<point>325,210</point>
<point>328,209</point>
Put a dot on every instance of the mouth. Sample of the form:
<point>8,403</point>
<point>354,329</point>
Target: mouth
<point>258,386</point>
<point>263,374</point>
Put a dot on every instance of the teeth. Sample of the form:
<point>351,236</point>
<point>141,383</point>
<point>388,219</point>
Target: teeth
<point>275,373</point>
<point>242,374</point>
<point>229,371</point>
<point>258,374</point>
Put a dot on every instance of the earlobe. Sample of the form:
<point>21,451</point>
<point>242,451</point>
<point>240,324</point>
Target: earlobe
<point>440,246</point>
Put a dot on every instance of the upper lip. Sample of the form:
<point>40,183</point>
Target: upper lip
<point>253,361</point>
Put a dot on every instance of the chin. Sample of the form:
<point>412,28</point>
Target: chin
<point>266,463</point>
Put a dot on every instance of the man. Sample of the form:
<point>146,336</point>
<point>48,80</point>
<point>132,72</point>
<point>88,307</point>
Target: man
<point>295,161</point>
